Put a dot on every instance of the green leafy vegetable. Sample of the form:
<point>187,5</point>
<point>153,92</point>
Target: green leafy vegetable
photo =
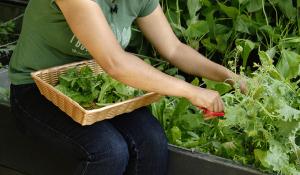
<point>93,91</point>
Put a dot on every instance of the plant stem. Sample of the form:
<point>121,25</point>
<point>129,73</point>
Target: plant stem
<point>11,20</point>
<point>8,44</point>
<point>178,13</point>
<point>264,11</point>
<point>298,15</point>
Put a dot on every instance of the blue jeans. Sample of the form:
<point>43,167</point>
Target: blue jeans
<point>131,144</point>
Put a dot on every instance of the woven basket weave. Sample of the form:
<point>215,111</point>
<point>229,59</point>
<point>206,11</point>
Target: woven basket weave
<point>48,78</point>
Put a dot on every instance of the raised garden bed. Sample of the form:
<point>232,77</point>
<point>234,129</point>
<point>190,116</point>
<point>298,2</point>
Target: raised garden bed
<point>186,162</point>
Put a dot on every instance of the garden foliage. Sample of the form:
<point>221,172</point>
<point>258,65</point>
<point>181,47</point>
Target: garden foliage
<point>261,40</point>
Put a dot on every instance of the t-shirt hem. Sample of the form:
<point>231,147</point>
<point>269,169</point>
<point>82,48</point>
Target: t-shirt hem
<point>21,82</point>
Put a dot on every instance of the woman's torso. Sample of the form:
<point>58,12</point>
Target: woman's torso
<point>47,41</point>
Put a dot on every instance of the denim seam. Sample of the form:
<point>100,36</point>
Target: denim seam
<point>135,149</point>
<point>84,170</point>
<point>63,136</point>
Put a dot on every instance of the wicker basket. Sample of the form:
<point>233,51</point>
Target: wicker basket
<point>48,78</point>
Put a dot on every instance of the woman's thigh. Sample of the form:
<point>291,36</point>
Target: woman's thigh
<point>100,147</point>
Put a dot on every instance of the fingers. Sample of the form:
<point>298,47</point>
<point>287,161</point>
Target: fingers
<point>217,104</point>
<point>209,99</point>
<point>244,88</point>
<point>221,105</point>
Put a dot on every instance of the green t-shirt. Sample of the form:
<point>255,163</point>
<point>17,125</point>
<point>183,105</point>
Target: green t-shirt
<point>46,39</point>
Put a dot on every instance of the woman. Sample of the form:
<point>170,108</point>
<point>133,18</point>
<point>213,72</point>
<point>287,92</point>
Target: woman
<point>56,32</point>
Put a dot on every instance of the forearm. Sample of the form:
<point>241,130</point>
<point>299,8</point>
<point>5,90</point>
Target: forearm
<point>132,71</point>
<point>192,62</point>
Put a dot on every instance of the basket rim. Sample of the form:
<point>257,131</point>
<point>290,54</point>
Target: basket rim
<point>120,103</point>
<point>86,111</point>
<point>34,74</point>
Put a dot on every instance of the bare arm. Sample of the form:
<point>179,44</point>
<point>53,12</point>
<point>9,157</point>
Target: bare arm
<point>157,29</point>
<point>92,29</point>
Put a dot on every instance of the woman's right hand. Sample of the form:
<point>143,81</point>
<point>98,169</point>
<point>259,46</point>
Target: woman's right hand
<point>206,98</point>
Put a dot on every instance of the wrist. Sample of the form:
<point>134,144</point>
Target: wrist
<point>187,91</point>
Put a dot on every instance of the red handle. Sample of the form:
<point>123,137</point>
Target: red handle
<point>211,113</point>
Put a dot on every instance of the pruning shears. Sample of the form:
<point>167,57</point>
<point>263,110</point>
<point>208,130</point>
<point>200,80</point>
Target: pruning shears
<point>211,114</point>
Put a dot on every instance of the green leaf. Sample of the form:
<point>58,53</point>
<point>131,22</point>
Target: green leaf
<point>193,7</point>
<point>180,77</point>
<point>286,6</point>
<point>211,23</point>
<point>247,46</point>
<point>222,88</point>
<point>276,156</point>
<point>181,107</point>
<point>197,29</point>
<point>265,58</point>
<point>230,11</point>
<point>287,128</point>
<point>189,121</point>
<point>289,113</point>
<point>243,1</point>
<point>175,134</point>
<point>196,82</point>
<point>222,43</point>
<point>241,24</point>
<point>261,155</point>
<point>271,52</point>
<point>254,5</point>
<point>159,109</point>
<point>208,44</point>
<point>270,31</point>
<point>235,116</point>
<point>289,64</point>
<point>172,71</point>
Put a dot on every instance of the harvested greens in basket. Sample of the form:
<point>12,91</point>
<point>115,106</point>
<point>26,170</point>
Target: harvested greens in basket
<point>94,91</point>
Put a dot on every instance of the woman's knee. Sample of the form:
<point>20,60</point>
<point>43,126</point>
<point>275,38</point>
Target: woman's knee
<point>155,142</point>
<point>154,135</point>
<point>144,130</point>
<point>111,158</point>
<point>106,150</point>
<point>112,149</point>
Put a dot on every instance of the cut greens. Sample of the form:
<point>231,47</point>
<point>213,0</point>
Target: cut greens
<point>94,91</point>
<point>260,129</point>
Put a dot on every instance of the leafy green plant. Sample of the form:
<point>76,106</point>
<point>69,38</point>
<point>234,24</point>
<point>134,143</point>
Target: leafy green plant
<point>8,35</point>
<point>216,28</point>
<point>4,96</point>
<point>93,91</point>
<point>260,128</point>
